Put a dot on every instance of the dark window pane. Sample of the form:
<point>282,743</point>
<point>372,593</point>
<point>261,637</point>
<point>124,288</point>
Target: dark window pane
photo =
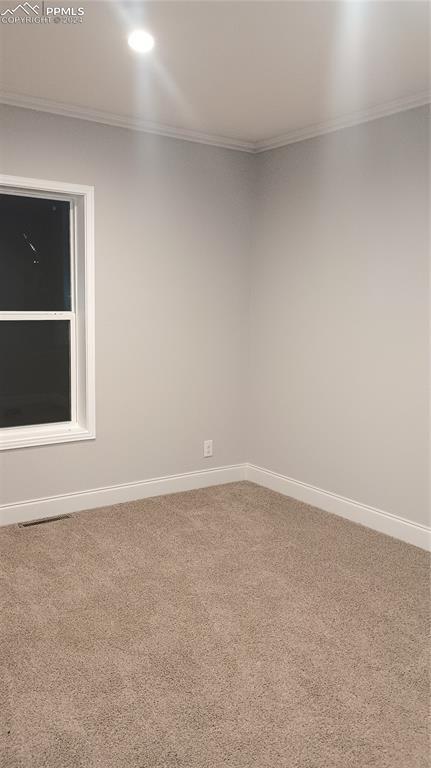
<point>34,254</point>
<point>34,372</point>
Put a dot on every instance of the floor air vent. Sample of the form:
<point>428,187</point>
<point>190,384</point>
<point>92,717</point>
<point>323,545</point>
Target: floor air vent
<point>43,520</point>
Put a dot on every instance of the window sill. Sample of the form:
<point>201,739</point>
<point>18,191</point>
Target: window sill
<point>44,434</point>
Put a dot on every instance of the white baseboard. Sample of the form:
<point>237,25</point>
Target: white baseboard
<point>115,494</point>
<point>377,519</point>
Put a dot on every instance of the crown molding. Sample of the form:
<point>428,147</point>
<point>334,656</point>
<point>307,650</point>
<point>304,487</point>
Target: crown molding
<point>252,147</point>
<point>347,121</point>
<point>122,121</point>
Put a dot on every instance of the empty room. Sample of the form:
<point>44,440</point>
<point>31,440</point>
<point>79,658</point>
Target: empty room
<point>215,384</point>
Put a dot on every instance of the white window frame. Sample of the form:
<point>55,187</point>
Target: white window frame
<point>82,425</point>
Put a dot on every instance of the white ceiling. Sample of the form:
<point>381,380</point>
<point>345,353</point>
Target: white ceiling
<point>247,74</point>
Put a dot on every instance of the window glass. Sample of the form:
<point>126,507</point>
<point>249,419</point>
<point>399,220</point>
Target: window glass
<point>34,372</point>
<point>34,254</point>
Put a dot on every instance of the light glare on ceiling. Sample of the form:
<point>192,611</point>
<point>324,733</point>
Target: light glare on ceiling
<point>141,41</point>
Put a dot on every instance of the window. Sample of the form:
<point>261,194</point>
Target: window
<point>46,313</point>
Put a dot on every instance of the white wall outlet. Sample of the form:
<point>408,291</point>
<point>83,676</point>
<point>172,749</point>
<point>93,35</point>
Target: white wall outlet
<point>208,448</point>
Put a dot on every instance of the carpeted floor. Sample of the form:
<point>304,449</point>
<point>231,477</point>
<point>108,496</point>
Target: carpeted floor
<point>227,627</point>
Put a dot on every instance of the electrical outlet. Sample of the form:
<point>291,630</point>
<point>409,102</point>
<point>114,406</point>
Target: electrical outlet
<point>208,448</point>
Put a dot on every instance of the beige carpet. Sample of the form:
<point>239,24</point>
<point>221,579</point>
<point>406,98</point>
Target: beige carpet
<point>227,627</point>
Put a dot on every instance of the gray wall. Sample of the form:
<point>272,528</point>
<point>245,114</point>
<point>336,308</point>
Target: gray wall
<point>294,282</point>
<point>339,314</point>
<point>172,243</point>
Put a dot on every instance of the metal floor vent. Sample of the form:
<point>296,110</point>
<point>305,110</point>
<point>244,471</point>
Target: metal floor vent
<point>43,520</point>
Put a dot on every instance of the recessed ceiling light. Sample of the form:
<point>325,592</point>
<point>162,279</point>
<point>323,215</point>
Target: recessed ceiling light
<point>141,41</point>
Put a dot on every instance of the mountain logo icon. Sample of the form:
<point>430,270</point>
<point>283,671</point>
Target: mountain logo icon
<point>23,7</point>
